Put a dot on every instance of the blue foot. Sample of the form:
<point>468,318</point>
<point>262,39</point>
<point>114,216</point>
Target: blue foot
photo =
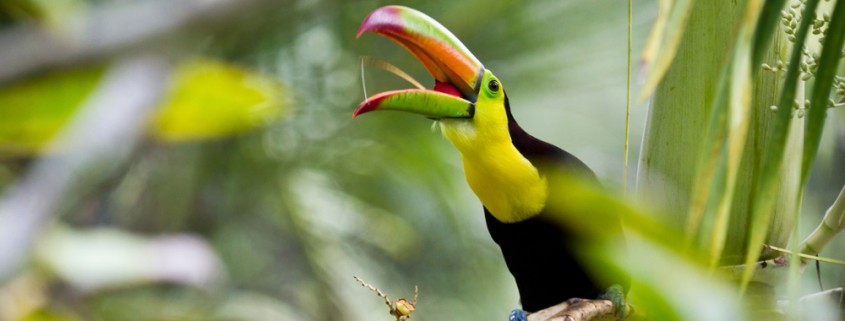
<point>518,315</point>
<point>616,294</point>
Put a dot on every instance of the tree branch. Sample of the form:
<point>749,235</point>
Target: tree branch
<point>583,310</point>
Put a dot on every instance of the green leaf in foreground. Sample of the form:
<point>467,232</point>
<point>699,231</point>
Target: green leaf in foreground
<point>670,284</point>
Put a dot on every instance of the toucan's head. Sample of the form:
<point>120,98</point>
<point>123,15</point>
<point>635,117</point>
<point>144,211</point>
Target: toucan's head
<point>469,104</point>
<point>467,99</point>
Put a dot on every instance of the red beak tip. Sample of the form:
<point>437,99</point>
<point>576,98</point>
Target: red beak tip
<point>381,20</point>
<point>363,108</point>
<point>361,30</point>
<point>366,25</point>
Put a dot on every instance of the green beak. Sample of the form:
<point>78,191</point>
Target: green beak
<point>457,73</point>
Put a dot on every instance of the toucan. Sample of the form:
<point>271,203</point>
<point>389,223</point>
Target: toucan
<point>507,168</point>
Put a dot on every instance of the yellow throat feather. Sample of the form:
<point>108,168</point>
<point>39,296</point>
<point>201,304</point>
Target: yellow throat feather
<point>505,182</point>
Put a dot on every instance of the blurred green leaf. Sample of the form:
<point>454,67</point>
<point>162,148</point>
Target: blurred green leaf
<point>211,99</point>
<point>207,99</point>
<point>670,284</point>
<point>33,111</point>
<point>582,197</point>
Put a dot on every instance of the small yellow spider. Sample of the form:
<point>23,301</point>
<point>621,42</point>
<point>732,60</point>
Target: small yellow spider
<point>401,309</point>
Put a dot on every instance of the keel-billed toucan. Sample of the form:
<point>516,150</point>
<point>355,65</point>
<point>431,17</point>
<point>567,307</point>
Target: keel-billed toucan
<point>507,169</point>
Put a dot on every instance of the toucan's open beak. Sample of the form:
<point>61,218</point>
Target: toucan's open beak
<point>457,73</point>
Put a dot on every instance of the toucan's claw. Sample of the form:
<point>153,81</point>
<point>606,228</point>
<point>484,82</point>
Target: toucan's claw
<point>616,294</point>
<point>518,315</point>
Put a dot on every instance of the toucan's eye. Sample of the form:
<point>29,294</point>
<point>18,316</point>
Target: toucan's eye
<point>493,85</point>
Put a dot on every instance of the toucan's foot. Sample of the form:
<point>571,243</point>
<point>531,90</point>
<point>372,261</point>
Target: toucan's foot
<point>616,294</point>
<point>518,315</point>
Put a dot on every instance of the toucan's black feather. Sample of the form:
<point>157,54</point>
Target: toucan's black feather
<point>539,252</point>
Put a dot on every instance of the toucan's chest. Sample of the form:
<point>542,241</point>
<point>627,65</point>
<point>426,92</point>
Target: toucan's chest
<point>505,182</point>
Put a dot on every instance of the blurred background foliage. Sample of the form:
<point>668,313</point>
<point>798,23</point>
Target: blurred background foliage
<point>252,195</point>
